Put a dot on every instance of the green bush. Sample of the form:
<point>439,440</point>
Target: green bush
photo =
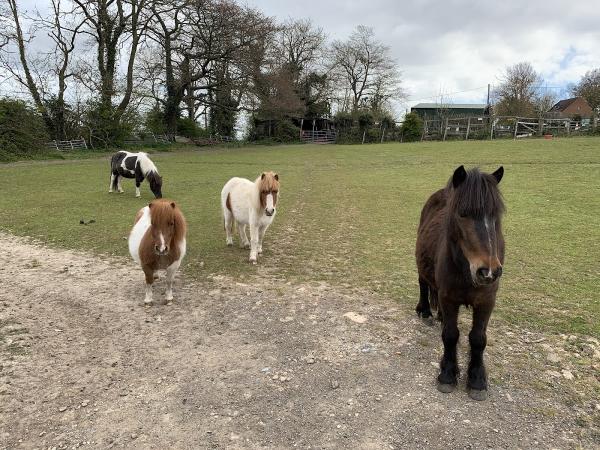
<point>365,119</point>
<point>286,131</point>
<point>190,129</point>
<point>105,128</point>
<point>22,130</point>
<point>412,128</point>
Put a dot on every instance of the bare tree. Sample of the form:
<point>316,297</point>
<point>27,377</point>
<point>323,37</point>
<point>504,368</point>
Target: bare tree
<point>588,87</point>
<point>517,92</point>
<point>44,75</point>
<point>115,26</point>
<point>365,67</point>
<point>299,46</point>
<point>205,46</point>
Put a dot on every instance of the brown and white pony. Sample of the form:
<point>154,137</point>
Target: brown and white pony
<point>460,252</point>
<point>157,242</point>
<point>250,204</point>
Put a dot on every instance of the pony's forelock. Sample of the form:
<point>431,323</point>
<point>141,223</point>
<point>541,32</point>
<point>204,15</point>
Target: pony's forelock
<point>163,211</point>
<point>477,196</point>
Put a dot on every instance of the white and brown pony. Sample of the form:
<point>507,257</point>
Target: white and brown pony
<point>157,242</point>
<point>250,205</point>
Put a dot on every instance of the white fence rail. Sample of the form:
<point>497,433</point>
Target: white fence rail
<point>318,137</point>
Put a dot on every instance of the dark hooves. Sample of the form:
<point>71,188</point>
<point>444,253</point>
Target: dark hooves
<point>478,395</point>
<point>446,388</point>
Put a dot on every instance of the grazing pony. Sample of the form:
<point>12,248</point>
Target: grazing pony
<point>250,204</point>
<point>134,165</point>
<point>460,252</point>
<point>157,242</point>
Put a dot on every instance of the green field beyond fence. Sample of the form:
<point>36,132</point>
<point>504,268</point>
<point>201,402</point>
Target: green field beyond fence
<point>348,216</point>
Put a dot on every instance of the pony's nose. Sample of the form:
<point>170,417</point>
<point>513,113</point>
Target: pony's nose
<point>269,212</point>
<point>497,273</point>
<point>484,274</point>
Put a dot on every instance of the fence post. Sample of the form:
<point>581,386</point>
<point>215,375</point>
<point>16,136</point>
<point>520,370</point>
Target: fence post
<point>540,127</point>
<point>445,129</point>
<point>382,135</point>
<point>364,133</point>
<point>468,129</point>
<point>516,127</point>
<point>424,130</point>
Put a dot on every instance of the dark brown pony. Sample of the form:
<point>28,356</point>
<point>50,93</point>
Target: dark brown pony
<point>460,252</point>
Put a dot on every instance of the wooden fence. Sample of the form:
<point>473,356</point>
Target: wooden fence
<point>148,140</point>
<point>494,127</point>
<point>68,145</point>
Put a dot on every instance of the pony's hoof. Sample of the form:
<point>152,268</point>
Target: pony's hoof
<point>169,302</point>
<point>446,388</point>
<point>253,260</point>
<point>478,395</point>
<point>229,244</point>
<point>147,304</point>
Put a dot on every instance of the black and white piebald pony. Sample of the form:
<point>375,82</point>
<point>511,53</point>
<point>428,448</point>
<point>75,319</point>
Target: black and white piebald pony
<point>134,165</point>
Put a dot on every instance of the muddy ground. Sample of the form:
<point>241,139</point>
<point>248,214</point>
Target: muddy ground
<point>261,365</point>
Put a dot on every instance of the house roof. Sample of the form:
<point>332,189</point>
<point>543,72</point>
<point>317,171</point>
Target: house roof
<point>451,106</point>
<point>563,104</point>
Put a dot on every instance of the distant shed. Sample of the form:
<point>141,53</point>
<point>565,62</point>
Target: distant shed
<point>435,110</point>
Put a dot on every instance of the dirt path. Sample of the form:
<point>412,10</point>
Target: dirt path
<point>268,365</point>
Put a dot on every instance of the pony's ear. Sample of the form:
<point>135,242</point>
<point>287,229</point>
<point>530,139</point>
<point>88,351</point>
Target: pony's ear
<point>498,174</point>
<point>277,177</point>
<point>460,174</point>
<point>149,205</point>
<point>173,205</point>
<point>262,177</point>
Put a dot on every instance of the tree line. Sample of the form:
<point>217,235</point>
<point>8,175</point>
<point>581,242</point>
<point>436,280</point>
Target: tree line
<point>105,69</point>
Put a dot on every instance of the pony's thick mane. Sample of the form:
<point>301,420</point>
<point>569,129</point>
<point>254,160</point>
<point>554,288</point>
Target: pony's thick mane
<point>477,196</point>
<point>163,211</point>
<point>146,164</point>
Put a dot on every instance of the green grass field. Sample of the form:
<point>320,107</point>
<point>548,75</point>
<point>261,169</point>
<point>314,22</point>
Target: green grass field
<point>348,215</point>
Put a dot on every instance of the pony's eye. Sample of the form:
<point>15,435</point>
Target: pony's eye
<point>275,192</point>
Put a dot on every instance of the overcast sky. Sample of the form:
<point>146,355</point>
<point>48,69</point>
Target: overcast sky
<point>449,46</point>
<point>457,45</point>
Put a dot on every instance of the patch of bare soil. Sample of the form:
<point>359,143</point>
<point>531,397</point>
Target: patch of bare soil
<point>266,365</point>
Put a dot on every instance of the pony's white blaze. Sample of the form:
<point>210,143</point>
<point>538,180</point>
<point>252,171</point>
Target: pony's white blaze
<point>163,247</point>
<point>270,206</point>
<point>137,233</point>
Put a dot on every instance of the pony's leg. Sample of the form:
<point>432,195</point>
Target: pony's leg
<point>137,188</point>
<point>433,295</point>
<point>423,309</point>
<point>261,235</point>
<point>244,242</point>
<point>149,281</point>
<point>119,188</point>
<point>447,378</point>
<point>112,181</point>
<point>228,223</point>
<point>477,378</point>
<point>170,278</point>
<point>254,232</point>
